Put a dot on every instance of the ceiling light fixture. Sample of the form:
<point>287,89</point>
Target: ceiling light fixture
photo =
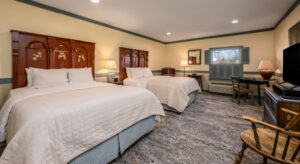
<point>168,33</point>
<point>95,1</point>
<point>235,21</point>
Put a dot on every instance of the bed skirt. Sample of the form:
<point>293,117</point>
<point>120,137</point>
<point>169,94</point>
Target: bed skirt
<point>192,97</point>
<point>116,145</point>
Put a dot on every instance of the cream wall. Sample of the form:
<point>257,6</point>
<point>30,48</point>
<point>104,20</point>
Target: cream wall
<point>19,16</point>
<point>282,35</point>
<point>261,47</point>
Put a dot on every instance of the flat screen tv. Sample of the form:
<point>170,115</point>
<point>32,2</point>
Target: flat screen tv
<point>291,64</point>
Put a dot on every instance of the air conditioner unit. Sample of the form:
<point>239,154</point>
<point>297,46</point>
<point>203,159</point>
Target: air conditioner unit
<point>220,87</point>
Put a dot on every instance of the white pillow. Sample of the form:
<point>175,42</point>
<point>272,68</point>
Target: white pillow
<point>80,75</point>
<point>42,78</point>
<point>136,73</point>
<point>128,72</point>
<point>147,72</point>
<point>29,76</point>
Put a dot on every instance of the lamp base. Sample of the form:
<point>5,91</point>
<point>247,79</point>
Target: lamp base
<point>266,74</point>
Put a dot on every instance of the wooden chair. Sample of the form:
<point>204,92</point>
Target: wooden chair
<point>238,89</point>
<point>278,144</point>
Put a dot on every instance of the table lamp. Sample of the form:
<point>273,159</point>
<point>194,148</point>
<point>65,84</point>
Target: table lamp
<point>184,64</point>
<point>111,66</point>
<point>266,69</point>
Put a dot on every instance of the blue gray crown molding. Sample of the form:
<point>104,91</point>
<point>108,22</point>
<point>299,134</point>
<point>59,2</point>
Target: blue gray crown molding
<point>63,12</point>
<point>287,13</point>
<point>191,71</point>
<point>117,73</point>
<point>206,72</point>
<point>5,80</point>
<point>56,10</point>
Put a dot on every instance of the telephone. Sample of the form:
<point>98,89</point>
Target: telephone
<point>111,77</point>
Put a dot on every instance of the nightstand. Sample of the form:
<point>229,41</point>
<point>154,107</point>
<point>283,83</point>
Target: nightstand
<point>199,80</point>
<point>118,83</point>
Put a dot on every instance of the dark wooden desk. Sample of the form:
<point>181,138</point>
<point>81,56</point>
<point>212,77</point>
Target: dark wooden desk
<point>199,80</point>
<point>255,81</point>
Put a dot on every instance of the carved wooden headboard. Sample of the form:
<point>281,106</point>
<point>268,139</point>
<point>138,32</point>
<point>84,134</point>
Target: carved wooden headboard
<point>131,58</point>
<point>47,52</point>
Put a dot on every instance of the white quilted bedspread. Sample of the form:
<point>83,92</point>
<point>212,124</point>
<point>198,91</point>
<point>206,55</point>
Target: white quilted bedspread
<point>173,91</point>
<point>55,125</point>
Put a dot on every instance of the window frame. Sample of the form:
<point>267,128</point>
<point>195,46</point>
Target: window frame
<point>229,66</point>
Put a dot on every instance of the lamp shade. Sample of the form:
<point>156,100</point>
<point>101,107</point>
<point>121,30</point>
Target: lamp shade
<point>265,65</point>
<point>111,64</point>
<point>184,63</point>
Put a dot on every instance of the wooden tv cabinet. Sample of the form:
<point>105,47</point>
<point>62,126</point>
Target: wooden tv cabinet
<point>273,102</point>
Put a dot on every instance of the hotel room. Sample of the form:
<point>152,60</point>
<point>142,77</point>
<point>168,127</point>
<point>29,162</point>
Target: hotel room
<point>139,81</point>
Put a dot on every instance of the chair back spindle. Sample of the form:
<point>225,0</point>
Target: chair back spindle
<point>256,137</point>
<point>275,143</point>
<point>286,147</point>
<point>295,153</point>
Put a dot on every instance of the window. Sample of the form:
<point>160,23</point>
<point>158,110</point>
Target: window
<point>226,56</point>
<point>226,62</point>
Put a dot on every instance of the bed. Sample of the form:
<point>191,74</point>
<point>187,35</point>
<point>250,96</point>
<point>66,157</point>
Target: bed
<point>175,93</point>
<point>78,121</point>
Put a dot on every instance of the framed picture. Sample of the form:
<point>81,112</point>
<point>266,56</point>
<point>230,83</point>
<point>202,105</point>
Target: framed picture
<point>194,57</point>
<point>294,34</point>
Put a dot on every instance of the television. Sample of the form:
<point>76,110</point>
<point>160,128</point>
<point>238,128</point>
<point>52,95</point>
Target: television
<point>291,65</point>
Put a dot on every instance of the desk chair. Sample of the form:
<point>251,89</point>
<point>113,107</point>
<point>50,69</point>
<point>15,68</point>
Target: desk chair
<point>238,89</point>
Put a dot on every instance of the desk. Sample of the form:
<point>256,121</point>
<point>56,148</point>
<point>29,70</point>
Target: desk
<point>257,82</point>
<point>199,80</point>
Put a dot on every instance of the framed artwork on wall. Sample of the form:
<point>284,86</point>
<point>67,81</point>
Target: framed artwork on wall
<point>294,34</point>
<point>194,57</point>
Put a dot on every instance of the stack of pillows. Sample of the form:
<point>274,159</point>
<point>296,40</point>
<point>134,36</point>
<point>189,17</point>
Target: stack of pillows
<point>43,78</point>
<point>139,72</point>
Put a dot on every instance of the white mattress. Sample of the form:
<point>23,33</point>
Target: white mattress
<point>54,125</point>
<point>172,91</point>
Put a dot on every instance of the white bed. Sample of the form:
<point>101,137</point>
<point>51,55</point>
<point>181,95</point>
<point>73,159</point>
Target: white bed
<point>171,91</point>
<point>56,124</point>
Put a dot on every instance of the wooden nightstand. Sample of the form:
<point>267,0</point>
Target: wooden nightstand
<point>199,79</point>
<point>118,83</point>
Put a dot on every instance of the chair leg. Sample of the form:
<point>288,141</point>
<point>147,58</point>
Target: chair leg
<point>265,160</point>
<point>239,98</point>
<point>252,98</point>
<point>240,155</point>
<point>233,93</point>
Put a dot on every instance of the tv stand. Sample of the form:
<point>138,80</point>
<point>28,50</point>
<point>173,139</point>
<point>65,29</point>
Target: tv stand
<point>288,91</point>
<point>273,102</point>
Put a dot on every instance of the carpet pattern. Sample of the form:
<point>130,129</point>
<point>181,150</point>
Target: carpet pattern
<point>207,132</point>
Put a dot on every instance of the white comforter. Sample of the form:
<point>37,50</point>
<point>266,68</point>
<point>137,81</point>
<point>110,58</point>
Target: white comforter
<point>173,91</point>
<point>55,125</point>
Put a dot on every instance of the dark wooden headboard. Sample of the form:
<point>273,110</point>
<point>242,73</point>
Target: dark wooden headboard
<point>131,58</point>
<point>47,52</point>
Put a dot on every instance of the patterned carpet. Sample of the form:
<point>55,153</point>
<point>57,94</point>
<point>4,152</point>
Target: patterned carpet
<point>207,132</point>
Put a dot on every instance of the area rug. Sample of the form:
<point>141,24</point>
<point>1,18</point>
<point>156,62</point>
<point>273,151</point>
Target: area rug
<point>207,132</point>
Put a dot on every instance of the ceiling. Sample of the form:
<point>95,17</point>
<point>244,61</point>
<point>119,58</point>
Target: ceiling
<point>185,19</point>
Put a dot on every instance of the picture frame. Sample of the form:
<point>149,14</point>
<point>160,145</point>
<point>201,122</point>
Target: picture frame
<point>194,57</point>
<point>294,34</point>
